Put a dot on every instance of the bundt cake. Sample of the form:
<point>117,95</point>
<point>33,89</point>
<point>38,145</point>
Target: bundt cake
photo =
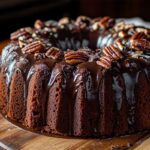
<point>84,77</point>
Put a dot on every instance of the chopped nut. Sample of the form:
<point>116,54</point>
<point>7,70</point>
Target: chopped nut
<point>21,43</point>
<point>64,21</point>
<point>54,53</point>
<point>106,22</point>
<point>119,44</point>
<point>83,22</point>
<point>95,26</point>
<point>136,54</point>
<point>75,57</point>
<point>34,47</point>
<point>122,26</point>
<point>122,34</point>
<point>39,56</point>
<point>38,24</point>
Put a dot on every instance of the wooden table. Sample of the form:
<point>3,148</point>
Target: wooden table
<point>14,138</point>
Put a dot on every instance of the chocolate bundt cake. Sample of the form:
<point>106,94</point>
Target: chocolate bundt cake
<point>87,78</point>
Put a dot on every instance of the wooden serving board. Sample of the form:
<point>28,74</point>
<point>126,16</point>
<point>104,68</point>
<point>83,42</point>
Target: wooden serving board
<point>15,138</point>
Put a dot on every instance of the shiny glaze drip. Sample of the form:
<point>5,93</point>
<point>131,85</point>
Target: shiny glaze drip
<point>118,92</point>
<point>86,77</point>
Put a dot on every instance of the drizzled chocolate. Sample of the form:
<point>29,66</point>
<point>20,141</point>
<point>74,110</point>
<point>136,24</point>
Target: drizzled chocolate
<point>89,72</point>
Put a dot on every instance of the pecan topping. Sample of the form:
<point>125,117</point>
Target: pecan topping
<point>105,61</point>
<point>141,44</point>
<point>34,47</point>
<point>141,29</point>
<point>112,52</point>
<point>64,21</point>
<point>139,41</point>
<point>138,35</point>
<point>21,32</point>
<point>75,57</point>
<point>39,56</point>
<point>95,26</point>
<point>106,22</point>
<point>83,22</point>
<point>38,24</point>
<point>54,53</point>
<point>123,26</point>
<point>119,44</point>
<point>122,34</point>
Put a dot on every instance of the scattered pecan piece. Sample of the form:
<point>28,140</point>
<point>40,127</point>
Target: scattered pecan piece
<point>21,32</point>
<point>39,56</point>
<point>145,30</point>
<point>138,35</point>
<point>64,21</point>
<point>122,34</point>
<point>105,62</point>
<point>83,22</point>
<point>119,44</point>
<point>75,57</point>
<point>51,23</point>
<point>120,26</point>
<point>38,24</point>
<point>112,52</point>
<point>139,41</point>
<point>54,53</point>
<point>106,22</point>
<point>95,26</point>
<point>34,47</point>
<point>141,44</point>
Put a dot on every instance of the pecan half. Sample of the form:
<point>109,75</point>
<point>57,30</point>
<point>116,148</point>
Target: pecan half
<point>138,35</point>
<point>54,53</point>
<point>139,41</point>
<point>141,44</point>
<point>106,22</point>
<point>105,62</point>
<point>38,24</point>
<point>75,57</point>
<point>21,32</point>
<point>34,47</point>
<point>112,52</point>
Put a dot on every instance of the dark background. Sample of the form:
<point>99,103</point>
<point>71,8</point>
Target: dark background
<point>18,13</point>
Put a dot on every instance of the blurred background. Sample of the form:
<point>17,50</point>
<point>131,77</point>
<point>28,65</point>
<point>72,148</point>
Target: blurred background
<point>18,13</point>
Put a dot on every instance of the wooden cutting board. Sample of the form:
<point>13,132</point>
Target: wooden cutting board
<point>15,138</point>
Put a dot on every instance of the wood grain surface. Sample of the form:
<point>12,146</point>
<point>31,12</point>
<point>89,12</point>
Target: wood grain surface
<point>15,138</point>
